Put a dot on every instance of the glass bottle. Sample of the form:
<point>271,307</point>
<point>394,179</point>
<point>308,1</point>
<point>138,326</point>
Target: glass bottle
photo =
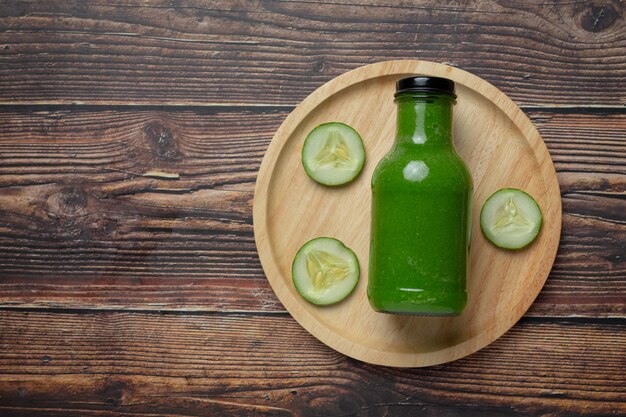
<point>421,196</point>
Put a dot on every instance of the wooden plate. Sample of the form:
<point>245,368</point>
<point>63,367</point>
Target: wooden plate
<point>502,149</point>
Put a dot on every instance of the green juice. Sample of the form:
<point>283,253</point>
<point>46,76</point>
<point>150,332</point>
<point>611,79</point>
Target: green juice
<point>421,193</point>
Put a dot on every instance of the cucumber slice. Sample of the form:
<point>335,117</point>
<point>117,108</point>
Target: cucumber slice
<point>510,218</point>
<point>333,154</point>
<point>325,271</point>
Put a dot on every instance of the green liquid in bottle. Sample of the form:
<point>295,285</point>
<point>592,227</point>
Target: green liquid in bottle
<point>421,194</point>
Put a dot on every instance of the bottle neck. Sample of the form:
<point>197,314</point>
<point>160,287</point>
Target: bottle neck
<point>424,119</point>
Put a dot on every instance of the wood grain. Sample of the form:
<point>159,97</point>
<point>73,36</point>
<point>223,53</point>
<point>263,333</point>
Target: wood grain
<point>79,229</point>
<point>115,363</point>
<point>277,52</point>
<point>501,148</point>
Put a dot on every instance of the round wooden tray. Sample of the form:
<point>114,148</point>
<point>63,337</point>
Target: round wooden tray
<point>501,148</point>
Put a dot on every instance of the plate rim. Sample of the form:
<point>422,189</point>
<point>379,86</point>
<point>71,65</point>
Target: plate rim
<point>389,68</point>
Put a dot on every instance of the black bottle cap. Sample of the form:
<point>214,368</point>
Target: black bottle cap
<point>425,85</point>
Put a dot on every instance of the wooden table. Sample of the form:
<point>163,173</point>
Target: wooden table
<point>129,294</point>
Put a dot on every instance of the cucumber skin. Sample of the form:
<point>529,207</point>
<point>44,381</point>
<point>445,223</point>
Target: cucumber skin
<point>357,171</point>
<point>508,247</point>
<point>293,263</point>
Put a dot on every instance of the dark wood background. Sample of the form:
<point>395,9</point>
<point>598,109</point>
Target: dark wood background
<point>122,294</point>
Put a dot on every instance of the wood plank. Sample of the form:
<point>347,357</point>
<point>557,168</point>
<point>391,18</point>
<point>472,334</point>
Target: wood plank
<point>115,363</point>
<point>277,52</point>
<point>80,228</point>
